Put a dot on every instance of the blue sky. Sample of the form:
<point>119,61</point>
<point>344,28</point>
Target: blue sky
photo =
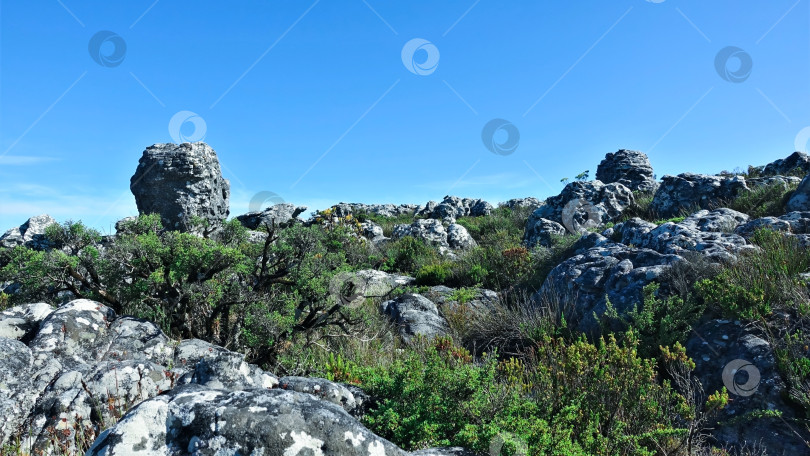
<point>313,101</point>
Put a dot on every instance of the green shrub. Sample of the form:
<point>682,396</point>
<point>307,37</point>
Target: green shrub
<point>571,398</point>
<point>407,255</point>
<point>434,273</point>
<point>759,282</point>
<point>764,201</point>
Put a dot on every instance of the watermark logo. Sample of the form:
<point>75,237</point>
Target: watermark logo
<point>506,439</point>
<point>178,122</point>
<point>741,377</point>
<point>348,289</point>
<point>107,49</point>
<point>724,64</point>
<point>257,202</point>
<point>800,143</point>
<point>500,137</point>
<point>420,56</point>
<point>579,215</point>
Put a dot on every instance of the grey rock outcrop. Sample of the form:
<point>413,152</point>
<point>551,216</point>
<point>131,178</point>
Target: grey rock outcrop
<point>197,420</point>
<point>30,234</point>
<point>447,299</point>
<point>382,210</point>
<point>372,231</point>
<point>630,168</point>
<point>800,200</point>
<point>415,315</point>
<point>453,207</point>
<point>796,224</point>
<point>581,283</point>
<point>281,215</point>
<point>732,355</point>
<point>22,322</point>
<point>582,205</point>
<point>432,231</point>
<point>686,191</point>
<point>709,232</point>
<point>797,162</point>
<point>181,181</point>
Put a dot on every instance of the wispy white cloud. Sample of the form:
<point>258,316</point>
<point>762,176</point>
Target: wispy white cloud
<point>23,160</point>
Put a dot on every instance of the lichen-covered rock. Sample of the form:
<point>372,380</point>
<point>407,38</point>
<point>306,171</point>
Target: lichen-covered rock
<point>17,395</point>
<point>583,205</point>
<point>280,215</point>
<point>180,182</point>
<point>415,315</point>
<point>197,420</point>
<point>615,271</point>
<point>797,162</point>
<point>540,231</point>
<point>530,203</point>
<point>21,322</point>
<point>30,234</point>
<point>326,390</point>
<point>372,231</point>
<point>628,167</point>
<point>453,207</point>
<point>709,232</point>
<point>688,190</point>
<point>448,299</point>
<point>733,355</point>
<point>433,232</point>
<point>795,224</point>
<point>800,200</point>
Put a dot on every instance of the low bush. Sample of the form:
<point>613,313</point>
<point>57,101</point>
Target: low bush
<point>764,201</point>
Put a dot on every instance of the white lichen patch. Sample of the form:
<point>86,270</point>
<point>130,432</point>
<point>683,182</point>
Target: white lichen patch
<point>257,409</point>
<point>83,321</point>
<point>303,441</point>
<point>376,449</point>
<point>354,440</point>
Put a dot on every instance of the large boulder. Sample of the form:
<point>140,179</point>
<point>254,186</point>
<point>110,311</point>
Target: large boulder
<point>738,357</point>
<point>582,283</point>
<point>709,232</point>
<point>281,215</point>
<point>800,200</point>
<point>415,315</point>
<point>30,234</point>
<point>688,191</point>
<point>179,182</point>
<point>198,420</point>
<point>795,163</point>
<point>580,206</point>
<point>628,167</point>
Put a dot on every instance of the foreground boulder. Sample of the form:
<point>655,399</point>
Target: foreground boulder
<point>580,285</point>
<point>630,168</point>
<point>736,356</point>
<point>30,234</point>
<point>196,420</point>
<point>181,182</point>
<point>688,191</point>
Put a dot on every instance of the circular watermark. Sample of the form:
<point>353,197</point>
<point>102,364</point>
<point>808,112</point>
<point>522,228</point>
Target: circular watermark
<point>348,289</point>
<point>579,215</point>
<point>504,145</point>
<point>107,48</point>
<point>741,377</point>
<point>429,61</point>
<point>180,119</point>
<point>257,202</point>
<point>507,439</point>
<point>723,63</point>
<point>800,143</point>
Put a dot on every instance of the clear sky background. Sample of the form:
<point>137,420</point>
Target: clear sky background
<point>311,100</point>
